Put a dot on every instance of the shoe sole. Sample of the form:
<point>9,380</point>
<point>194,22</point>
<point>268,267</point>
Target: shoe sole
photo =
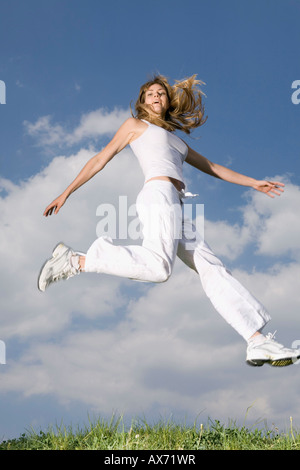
<point>273,362</point>
<point>255,363</point>
<point>55,253</point>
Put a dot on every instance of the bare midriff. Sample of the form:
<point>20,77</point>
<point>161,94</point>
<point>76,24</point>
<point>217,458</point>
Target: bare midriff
<point>178,184</point>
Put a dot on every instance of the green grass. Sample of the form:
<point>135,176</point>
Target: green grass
<point>103,435</point>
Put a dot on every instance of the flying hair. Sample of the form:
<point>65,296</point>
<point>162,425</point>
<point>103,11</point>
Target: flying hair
<point>186,110</point>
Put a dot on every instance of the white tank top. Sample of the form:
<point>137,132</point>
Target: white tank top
<point>159,152</point>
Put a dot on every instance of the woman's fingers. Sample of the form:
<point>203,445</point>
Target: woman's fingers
<point>52,207</point>
<point>55,206</point>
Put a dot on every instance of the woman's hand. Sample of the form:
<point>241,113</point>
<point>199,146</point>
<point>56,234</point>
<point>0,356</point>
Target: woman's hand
<point>55,205</point>
<point>269,187</point>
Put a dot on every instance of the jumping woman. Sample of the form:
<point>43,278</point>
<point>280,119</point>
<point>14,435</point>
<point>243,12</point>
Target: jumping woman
<point>160,110</point>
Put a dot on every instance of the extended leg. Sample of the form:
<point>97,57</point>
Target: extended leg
<point>233,301</point>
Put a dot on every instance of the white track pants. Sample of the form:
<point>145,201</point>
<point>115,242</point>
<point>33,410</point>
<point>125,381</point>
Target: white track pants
<point>167,234</point>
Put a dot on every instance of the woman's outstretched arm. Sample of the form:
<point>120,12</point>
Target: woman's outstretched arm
<point>96,163</point>
<point>218,171</point>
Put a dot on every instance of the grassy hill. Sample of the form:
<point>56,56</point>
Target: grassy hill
<point>112,435</point>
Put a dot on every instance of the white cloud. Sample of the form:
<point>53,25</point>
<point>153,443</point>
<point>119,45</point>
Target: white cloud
<point>165,347</point>
<point>276,223</point>
<point>271,225</point>
<point>92,125</point>
<point>229,240</point>
<point>167,351</point>
<point>47,133</point>
<point>97,123</point>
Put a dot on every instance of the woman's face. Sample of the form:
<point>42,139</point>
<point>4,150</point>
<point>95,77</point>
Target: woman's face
<point>156,97</point>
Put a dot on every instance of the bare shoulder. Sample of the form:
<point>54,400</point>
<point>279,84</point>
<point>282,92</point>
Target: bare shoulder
<point>127,132</point>
<point>133,127</point>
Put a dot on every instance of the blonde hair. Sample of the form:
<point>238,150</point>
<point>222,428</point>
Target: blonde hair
<point>186,110</point>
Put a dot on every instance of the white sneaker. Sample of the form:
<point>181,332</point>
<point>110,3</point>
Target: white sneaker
<point>58,267</point>
<point>270,352</point>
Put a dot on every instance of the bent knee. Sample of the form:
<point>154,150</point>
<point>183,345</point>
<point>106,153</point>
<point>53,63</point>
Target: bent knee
<point>162,277</point>
<point>163,273</point>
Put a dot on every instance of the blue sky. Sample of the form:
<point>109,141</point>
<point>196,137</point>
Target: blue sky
<point>71,69</point>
